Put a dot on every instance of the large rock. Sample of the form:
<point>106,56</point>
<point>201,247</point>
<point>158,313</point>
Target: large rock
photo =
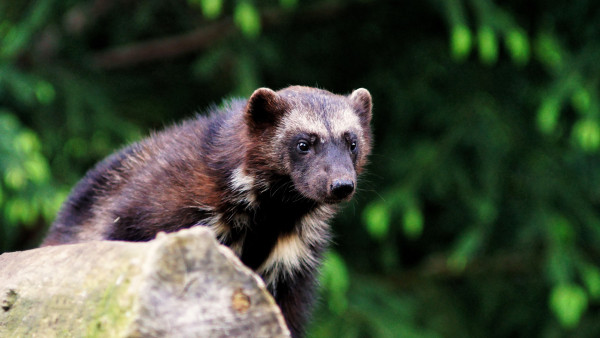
<point>182,284</point>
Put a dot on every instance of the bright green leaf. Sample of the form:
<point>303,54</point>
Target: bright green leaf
<point>37,169</point>
<point>377,219</point>
<point>465,248</point>
<point>548,50</point>
<point>547,116</point>
<point>581,100</point>
<point>26,142</point>
<point>488,45</point>
<point>45,93</point>
<point>587,134</point>
<point>517,44</point>
<point>413,222</point>
<point>247,18</point>
<point>211,8</point>
<point>460,42</point>
<point>568,302</point>
<point>14,178</point>
<point>591,278</point>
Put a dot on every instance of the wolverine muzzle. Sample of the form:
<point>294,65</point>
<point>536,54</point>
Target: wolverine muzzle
<point>342,188</point>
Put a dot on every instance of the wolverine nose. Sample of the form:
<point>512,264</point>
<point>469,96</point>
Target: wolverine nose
<point>342,188</point>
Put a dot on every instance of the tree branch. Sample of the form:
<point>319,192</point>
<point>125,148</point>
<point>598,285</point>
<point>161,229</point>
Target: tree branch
<point>201,38</point>
<point>163,48</point>
<point>437,268</point>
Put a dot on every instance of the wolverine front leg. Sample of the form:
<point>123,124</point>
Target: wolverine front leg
<point>295,296</point>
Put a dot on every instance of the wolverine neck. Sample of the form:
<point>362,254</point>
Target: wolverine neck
<point>262,216</point>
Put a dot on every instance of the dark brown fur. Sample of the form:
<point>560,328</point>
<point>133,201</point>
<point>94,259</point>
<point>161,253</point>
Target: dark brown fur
<point>265,174</point>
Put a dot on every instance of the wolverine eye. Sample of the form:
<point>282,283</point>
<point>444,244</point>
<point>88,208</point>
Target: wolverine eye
<point>303,146</point>
<point>353,146</point>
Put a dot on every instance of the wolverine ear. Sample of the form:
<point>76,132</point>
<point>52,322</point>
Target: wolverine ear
<point>264,108</point>
<point>361,101</point>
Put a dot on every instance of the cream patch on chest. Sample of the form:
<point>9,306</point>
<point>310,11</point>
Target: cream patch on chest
<point>289,254</point>
<point>293,252</point>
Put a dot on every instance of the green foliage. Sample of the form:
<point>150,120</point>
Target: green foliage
<point>549,51</point>
<point>590,275</point>
<point>586,133</point>
<point>517,44</point>
<point>568,303</point>
<point>488,45</point>
<point>26,195</point>
<point>478,215</point>
<point>288,4</point>
<point>377,219</point>
<point>548,115</point>
<point>210,8</point>
<point>335,281</point>
<point>413,222</point>
<point>460,41</point>
<point>17,35</point>
<point>247,17</point>
<point>460,37</point>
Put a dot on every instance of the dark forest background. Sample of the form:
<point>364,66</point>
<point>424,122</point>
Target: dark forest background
<point>480,212</point>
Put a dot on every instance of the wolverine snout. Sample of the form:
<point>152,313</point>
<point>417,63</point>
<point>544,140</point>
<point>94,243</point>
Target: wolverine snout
<point>341,188</point>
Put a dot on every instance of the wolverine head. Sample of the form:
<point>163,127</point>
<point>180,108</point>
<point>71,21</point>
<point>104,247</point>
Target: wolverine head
<point>319,139</point>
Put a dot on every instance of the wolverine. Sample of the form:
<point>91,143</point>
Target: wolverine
<point>265,174</point>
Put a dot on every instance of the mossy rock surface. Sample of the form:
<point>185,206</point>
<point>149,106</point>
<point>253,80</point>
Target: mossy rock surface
<point>180,284</point>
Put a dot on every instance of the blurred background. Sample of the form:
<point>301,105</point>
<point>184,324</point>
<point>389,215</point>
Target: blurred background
<point>479,215</point>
